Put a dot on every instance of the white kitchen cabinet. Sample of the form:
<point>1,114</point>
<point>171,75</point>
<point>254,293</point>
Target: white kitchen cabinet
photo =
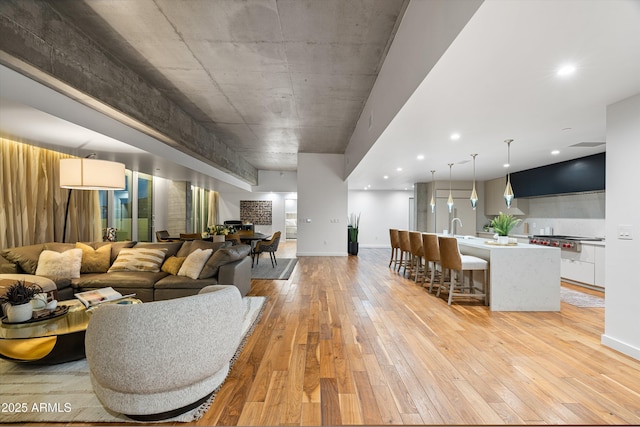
<point>580,266</point>
<point>494,199</point>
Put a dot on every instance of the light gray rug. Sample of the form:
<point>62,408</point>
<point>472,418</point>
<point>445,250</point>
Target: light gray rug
<point>63,393</point>
<point>580,299</point>
<point>282,271</point>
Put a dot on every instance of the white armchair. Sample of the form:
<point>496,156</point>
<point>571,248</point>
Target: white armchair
<point>156,360</point>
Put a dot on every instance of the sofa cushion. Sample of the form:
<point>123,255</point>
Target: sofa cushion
<point>95,260</point>
<point>170,248</point>
<point>172,264</point>
<point>60,264</point>
<point>192,245</point>
<point>192,266</point>
<point>119,280</point>
<point>221,257</point>
<point>59,247</point>
<point>138,259</point>
<point>25,256</point>
<point>183,282</point>
<point>116,247</point>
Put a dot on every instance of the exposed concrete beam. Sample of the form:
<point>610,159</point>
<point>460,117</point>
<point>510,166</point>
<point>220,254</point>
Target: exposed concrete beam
<point>36,41</point>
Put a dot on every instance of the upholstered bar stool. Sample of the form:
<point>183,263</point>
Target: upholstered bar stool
<point>431,251</point>
<point>405,250</point>
<point>395,247</point>
<point>415,242</point>
<point>452,260</point>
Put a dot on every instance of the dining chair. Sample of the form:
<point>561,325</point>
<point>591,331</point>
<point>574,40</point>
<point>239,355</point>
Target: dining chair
<point>395,247</point>
<point>451,259</point>
<point>163,236</point>
<point>270,246</point>
<point>234,237</point>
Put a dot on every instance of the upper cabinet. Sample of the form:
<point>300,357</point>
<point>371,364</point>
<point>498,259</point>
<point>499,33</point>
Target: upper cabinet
<point>494,199</point>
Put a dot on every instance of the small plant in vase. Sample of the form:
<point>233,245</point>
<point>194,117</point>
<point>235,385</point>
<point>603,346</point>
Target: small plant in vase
<point>353,228</point>
<point>502,225</point>
<point>17,301</point>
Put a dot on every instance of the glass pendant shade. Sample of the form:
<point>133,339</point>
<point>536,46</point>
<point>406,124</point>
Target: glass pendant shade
<point>450,199</point>
<point>432,203</point>
<point>508,194</point>
<point>508,191</point>
<point>474,195</point>
<point>474,198</point>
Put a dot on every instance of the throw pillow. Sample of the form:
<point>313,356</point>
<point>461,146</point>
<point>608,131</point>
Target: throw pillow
<point>192,266</point>
<point>138,259</point>
<point>94,260</point>
<point>116,247</point>
<point>60,264</point>
<point>223,256</point>
<point>170,248</point>
<point>172,264</point>
<point>25,256</point>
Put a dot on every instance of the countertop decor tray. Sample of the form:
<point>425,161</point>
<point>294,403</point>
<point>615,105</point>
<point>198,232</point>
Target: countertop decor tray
<point>494,243</point>
<point>59,311</point>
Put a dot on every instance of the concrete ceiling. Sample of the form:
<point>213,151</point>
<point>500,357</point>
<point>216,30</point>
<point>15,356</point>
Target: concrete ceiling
<point>270,78</point>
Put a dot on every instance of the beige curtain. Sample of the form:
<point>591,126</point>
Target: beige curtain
<point>32,204</point>
<point>213,209</point>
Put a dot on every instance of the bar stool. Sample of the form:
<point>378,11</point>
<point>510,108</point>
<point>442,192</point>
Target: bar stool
<point>415,243</point>
<point>405,249</point>
<point>431,251</point>
<point>452,260</point>
<point>395,247</point>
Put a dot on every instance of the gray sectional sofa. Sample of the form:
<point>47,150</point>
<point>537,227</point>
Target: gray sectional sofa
<point>228,265</point>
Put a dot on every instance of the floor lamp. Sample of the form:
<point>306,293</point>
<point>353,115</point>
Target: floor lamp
<point>89,174</point>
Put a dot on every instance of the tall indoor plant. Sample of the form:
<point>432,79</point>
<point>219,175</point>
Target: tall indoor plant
<point>354,225</point>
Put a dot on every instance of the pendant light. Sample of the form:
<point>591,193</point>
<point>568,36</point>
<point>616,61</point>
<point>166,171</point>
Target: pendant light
<point>433,190</point>
<point>508,191</point>
<point>474,195</point>
<point>450,199</point>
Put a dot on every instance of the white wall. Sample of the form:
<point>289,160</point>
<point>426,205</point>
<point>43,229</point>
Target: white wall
<point>277,181</point>
<point>380,211</point>
<point>622,299</point>
<point>322,205</point>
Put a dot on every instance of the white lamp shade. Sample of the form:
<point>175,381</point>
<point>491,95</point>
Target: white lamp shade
<point>91,174</point>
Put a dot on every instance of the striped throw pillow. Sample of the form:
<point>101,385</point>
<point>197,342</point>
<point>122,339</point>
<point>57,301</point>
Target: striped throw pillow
<point>138,259</point>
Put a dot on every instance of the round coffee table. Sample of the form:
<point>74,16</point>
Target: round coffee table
<point>49,341</point>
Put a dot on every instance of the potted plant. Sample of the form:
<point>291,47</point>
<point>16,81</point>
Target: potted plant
<point>354,224</point>
<point>502,225</point>
<point>17,301</point>
<point>218,232</point>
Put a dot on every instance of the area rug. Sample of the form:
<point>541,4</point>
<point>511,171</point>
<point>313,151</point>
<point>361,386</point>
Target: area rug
<point>63,393</point>
<point>580,299</point>
<point>282,271</point>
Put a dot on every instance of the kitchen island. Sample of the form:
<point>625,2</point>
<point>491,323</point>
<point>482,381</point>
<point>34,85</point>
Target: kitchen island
<point>523,277</point>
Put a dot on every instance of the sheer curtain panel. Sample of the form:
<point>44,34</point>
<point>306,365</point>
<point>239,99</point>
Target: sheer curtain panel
<point>32,204</point>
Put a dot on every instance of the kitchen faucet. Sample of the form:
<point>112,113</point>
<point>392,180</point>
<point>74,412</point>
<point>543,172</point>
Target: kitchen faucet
<point>452,222</point>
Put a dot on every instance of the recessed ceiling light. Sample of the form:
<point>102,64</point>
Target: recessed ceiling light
<point>369,186</point>
<point>399,169</point>
<point>555,152</point>
<point>365,188</point>
<point>506,165</point>
<point>566,70</point>
<point>386,177</point>
<point>420,157</point>
<point>455,136</point>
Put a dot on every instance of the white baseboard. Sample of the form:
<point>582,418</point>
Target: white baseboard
<point>620,346</point>
<point>374,246</point>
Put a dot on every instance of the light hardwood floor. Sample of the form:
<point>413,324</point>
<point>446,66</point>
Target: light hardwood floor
<point>348,341</point>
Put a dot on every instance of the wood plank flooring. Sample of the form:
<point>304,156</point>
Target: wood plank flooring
<point>348,341</point>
